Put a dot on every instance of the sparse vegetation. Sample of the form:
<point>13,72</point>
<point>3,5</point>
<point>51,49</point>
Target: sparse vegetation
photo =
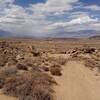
<point>92,63</point>
<point>27,68</point>
<point>83,50</point>
<point>55,70</point>
<point>46,69</point>
<point>21,66</point>
<point>31,86</point>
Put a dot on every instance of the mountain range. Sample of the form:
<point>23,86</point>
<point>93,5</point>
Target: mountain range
<point>5,33</point>
<point>77,34</point>
<point>83,33</point>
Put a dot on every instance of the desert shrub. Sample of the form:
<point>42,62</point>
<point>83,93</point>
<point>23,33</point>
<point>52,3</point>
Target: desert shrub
<point>30,86</point>
<point>89,63</point>
<point>44,68</point>
<point>89,50</point>
<point>3,44</point>
<point>12,61</point>
<point>3,60</point>
<point>58,60</point>
<point>5,73</point>
<point>1,82</point>
<point>41,93</point>
<point>92,63</point>
<point>35,61</point>
<point>82,50</point>
<point>21,66</point>
<point>74,55</point>
<point>36,53</point>
<point>55,70</point>
<point>30,64</point>
<point>35,68</point>
<point>61,61</point>
<point>96,56</point>
<point>55,65</point>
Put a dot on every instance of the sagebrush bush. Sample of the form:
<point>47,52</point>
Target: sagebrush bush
<point>91,63</point>
<point>1,82</point>
<point>3,60</point>
<point>21,66</point>
<point>55,70</point>
<point>44,68</point>
<point>30,86</point>
<point>57,60</point>
<point>5,73</point>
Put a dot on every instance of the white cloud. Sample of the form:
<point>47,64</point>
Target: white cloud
<point>6,1</point>
<point>80,23</point>
<point>93,7</point>
<point>78,20</point>
<point>34,20</point>
<point>54,6</point>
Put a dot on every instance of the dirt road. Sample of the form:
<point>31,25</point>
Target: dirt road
<point>4,97</point>
<point>77,83</point>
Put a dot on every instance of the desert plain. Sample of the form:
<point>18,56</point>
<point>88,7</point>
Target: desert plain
<point>50,69</point>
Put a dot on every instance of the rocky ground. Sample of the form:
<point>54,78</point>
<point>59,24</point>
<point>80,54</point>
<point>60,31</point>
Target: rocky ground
<point>49,70</point>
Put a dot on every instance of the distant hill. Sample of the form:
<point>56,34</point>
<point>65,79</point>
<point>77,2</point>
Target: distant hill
<point>95,37</point>
<point>91,34</point>
<point>4,33</point>
<point>77,34</point>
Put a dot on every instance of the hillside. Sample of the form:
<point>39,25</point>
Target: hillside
<point>4,33</point>
<point>95,37</point>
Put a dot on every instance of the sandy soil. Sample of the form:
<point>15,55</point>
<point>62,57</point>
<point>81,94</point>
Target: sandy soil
<point>77,83</point>
<point>4,97</point>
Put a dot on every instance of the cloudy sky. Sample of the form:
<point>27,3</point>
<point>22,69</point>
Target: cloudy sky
<point>49,17</point>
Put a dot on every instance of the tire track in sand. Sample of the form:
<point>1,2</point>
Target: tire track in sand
<point>76,83</point>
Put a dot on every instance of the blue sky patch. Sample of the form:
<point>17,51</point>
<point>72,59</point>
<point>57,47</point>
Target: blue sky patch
<point>54,17</point>
<point>26,3</point>
<point>91,2</point>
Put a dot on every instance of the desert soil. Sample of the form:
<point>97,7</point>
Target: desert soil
<point>4,97</point>
<point>77,83</point>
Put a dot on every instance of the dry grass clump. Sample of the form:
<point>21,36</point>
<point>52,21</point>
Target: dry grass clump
<point>32,83</point>
<point>11,62</point>
<point>82,50</point>
<point>21,66</point>
<point>8,53</point>
<point>3,60</point>
<point>61,60</point>
<point>55,70</point>
<point>89,50</point>
<point>34,51</point>
<point>30,86</point>
<point>1,82</point>
<point>36,69</point>
<point>57,60</point>
<point>91,63</point>
<point>5,73</point>
<point>3,44</point>
<point>44,68</point>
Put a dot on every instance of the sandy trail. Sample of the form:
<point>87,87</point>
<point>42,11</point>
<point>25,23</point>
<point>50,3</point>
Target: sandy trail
<point>4,97</point>
<point>77,83</point>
